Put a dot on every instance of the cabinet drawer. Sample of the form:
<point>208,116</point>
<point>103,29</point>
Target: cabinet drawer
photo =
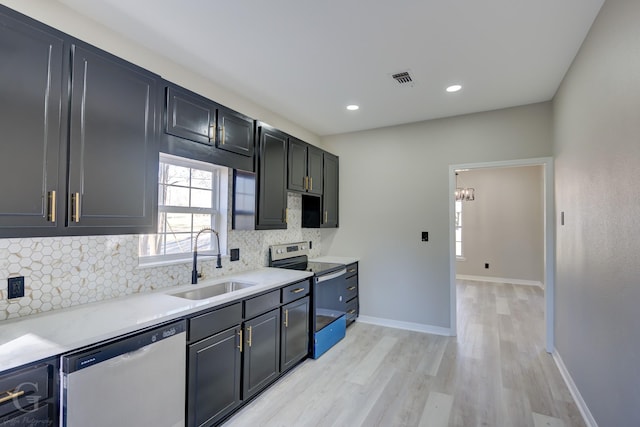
<point>295,291</point>
<point>352,310</point>
<point>351,287</point>
<point>261,304</point>
<point>25,387</point>
<point>352,269</point>
<point>215,321</point>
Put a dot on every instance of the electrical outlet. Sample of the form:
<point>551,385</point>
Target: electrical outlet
<point>425,236</point>
<point>16,287</point>
<point>234,254</point>
<point>486,265</point>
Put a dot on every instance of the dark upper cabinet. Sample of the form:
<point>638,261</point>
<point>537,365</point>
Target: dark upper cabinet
<point>79,136</point>
<point>304,167</point>
<point>272,179</point>
<point>113,157</point>
<point>330,196</point>
<point>223,136</point>
<point>31,114</point>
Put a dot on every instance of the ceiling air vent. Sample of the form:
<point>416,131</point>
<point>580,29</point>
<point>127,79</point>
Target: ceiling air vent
<point>403,78</point>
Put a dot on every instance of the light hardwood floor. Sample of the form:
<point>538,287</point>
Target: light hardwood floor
<point>494,373</point>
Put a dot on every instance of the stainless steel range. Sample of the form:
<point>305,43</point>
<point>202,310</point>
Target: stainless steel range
<point>328,299</point>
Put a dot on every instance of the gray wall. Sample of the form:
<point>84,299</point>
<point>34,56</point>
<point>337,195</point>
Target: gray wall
<point>504,225</point>
<point>394,184</point>
<point>597,148</point>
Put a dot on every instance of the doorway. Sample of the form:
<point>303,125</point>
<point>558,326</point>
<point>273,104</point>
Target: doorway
<point>549,243</point>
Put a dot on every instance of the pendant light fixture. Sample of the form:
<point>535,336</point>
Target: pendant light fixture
<point>465,194</point>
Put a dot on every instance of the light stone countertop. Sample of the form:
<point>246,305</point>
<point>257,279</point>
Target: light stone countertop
<point>33,338</point>
<point>336,259</point>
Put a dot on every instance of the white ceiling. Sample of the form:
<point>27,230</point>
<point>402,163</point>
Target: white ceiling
<point>307,59</point>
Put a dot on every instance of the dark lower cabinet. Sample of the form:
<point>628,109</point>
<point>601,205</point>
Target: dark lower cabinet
<point>214,378</point>
<point>261,354</point>
<point>29,395</point>
<point>295,333</point>
<point>272,179</point>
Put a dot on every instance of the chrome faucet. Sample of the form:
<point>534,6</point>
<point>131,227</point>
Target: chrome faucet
<point>194,272</point>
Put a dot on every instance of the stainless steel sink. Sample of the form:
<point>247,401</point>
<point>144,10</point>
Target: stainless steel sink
<point>213,290</point>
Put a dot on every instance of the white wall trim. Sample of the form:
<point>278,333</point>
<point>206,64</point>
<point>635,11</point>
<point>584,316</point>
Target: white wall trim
<point>500,280</point>
<point>582,406</point>
<point>409,326</point>
<point>549,238</point>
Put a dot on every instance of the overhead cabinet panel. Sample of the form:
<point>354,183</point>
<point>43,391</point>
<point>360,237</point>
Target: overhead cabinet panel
<point>113,154</point>
<point>272,180</point>
<point>200,129</point>
<point>31,90</point>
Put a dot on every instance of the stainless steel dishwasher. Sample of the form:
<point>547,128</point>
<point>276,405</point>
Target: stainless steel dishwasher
<point>138,380</point>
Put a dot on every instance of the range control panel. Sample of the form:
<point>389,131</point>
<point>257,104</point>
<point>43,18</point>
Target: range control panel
<point>288,250</point>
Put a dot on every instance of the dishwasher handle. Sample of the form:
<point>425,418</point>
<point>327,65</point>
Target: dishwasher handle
<point>129,344</point>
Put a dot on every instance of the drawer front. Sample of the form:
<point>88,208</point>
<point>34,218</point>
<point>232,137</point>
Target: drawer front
<point>20,389</point>
<point>352,269</point>
<point>351,289</point>
<point>352,310</point>
<point>261,304</point>
<point>215,321</point>
<point>37,416</point>
<point>295,291</point>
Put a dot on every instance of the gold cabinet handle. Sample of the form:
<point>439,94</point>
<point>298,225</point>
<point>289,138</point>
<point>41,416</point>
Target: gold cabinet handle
<point>240,342</point>
<point>286,318</point>
<point>296,291</point>
<point>52,206</point>
<point>75,201</point>
<point>352,311</point>
<point>11,395</point>
<point>305,182</point>
<point>326,216</point>
<point>250,330</point>
<point>212,132</point>
<point>310,183</point>
<point>286,215</point>
<point>222,136</point>
<point>353,270</point>
<point>351,288</point>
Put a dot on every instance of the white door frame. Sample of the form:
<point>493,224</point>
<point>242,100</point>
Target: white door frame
<point>549,237</point>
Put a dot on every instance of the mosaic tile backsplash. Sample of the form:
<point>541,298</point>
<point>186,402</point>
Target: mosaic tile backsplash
<point>67,271</point>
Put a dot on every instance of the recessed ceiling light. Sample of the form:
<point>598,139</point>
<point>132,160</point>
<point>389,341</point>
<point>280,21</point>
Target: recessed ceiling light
<point>353,107</point>
<point>454,88</point>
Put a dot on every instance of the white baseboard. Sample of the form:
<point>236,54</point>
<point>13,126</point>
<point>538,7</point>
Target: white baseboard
<point>409,326</point>
<point>582,406</point>
<point>500,280</point>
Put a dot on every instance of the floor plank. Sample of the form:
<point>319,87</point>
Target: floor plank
<point>494,373</point>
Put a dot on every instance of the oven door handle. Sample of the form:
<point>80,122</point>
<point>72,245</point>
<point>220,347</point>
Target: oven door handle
<point>326,277</point>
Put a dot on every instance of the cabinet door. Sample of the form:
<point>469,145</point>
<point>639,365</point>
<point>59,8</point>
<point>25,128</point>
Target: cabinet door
<point>236,132</point>
<point>213,388</point>
<point>297,165</point>
<point>295,333</point>
<point>113,155</point>
<point>261,356</point>
<point>330,195</point>
<point>272,181</point>
<point>315,160</point>
<point>31,86</point>
<point>190,117</point>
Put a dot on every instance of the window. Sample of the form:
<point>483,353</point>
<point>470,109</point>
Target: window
<point>192,195</point>
<point>459,229</point>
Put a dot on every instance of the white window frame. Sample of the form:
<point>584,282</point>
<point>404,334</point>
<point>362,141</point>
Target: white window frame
<point>218,213</point>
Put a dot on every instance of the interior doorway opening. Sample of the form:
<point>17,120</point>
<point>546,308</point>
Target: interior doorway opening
<point>548,239</point>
